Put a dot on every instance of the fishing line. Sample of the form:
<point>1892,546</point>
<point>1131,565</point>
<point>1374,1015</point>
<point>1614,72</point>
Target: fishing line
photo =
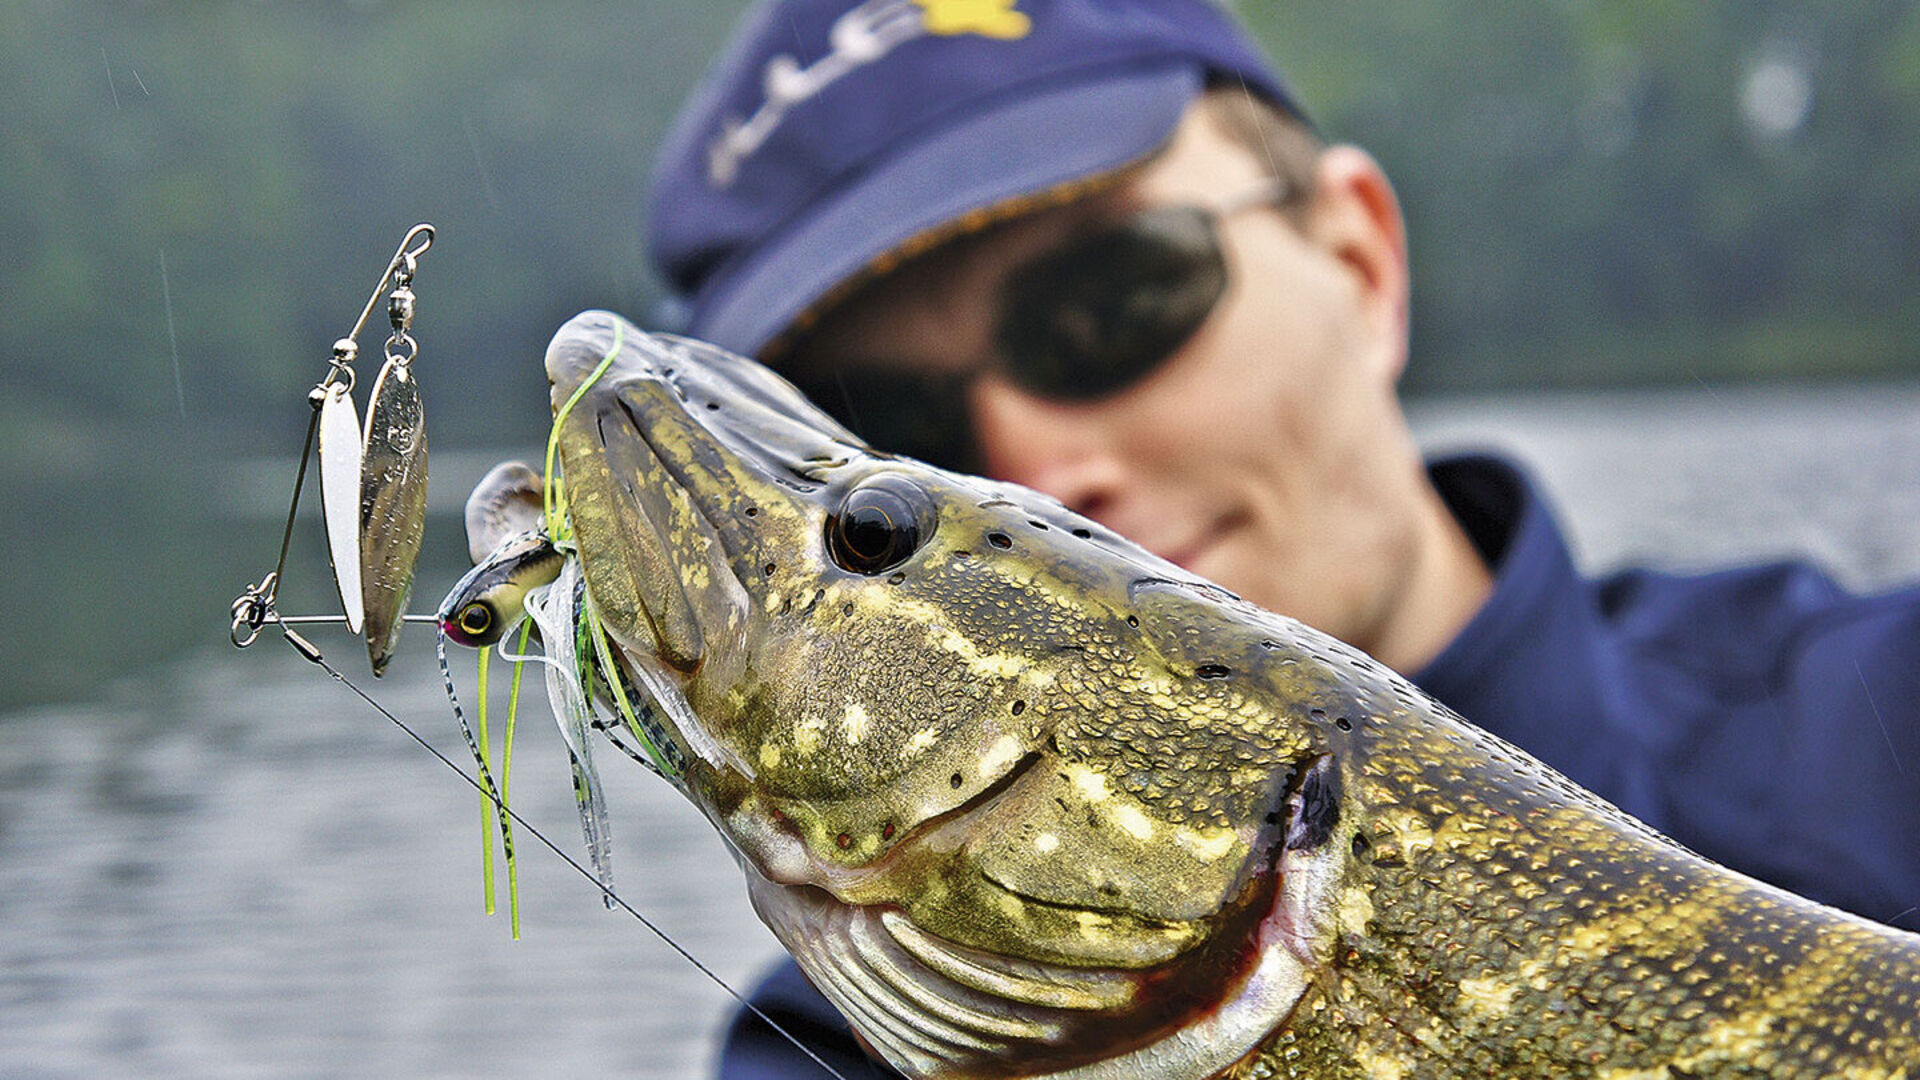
<point>611,897</point>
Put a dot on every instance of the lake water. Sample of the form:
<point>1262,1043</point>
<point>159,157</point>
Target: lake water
<point>235,868</point>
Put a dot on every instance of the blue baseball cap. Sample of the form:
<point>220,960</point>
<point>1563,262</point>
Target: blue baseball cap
<point>830,135</point>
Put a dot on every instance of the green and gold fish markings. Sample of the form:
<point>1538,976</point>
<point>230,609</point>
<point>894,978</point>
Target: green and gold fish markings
<point>1025,800</point>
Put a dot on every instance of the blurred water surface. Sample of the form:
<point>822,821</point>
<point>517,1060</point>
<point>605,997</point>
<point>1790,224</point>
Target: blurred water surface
<point>241,870</point>
<point>234,868</point>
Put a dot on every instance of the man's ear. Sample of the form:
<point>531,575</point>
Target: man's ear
<point>1355,216</point>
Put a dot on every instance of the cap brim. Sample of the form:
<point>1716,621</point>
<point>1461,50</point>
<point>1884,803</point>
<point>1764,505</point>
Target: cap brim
<point>1037,142</point>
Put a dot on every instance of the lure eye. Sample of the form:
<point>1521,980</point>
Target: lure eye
<point>879,525</point>
<point>475,619</point>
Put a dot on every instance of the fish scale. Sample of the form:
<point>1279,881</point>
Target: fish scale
<point>1025,800</point>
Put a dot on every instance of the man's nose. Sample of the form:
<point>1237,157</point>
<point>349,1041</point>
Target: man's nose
<point>1064,449</point>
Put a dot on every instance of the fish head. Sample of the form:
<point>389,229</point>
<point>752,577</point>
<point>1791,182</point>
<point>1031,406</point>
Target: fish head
<point>1006,784</point>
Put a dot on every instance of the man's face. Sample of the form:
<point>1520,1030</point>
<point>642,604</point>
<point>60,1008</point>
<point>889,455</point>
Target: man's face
<point>1268,453</point>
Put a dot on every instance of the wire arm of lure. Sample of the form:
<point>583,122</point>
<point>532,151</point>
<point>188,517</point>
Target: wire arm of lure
<point>254,609</point>
<point>255,605</point>
<point>405,261</point>
<point>337,620</point>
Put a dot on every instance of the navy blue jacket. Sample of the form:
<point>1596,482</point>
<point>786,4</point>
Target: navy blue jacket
<point>1763,717</point>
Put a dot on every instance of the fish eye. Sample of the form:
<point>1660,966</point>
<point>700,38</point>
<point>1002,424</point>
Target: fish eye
<point>879,525</point>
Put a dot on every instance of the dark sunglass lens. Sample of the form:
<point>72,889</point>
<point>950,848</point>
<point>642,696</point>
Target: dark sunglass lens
<point>1100,313</point>
<point>922,416</point>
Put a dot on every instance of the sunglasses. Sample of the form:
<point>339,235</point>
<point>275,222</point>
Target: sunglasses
<point>1081,322</point>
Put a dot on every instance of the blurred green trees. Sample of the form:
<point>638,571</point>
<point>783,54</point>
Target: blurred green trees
<point>194,199</point>
<point>1605,193</point>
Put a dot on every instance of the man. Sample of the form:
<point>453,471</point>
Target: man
<point>1095,248</point>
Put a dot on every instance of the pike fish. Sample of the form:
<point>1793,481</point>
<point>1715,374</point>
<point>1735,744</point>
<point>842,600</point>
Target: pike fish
<point>1025,800</point>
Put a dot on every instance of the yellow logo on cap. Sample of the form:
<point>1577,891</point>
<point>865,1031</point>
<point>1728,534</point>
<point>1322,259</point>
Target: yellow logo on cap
<point>861,35</point>
<point>988,18</point>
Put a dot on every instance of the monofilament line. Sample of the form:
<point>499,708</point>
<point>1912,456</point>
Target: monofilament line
<point>612,897</point>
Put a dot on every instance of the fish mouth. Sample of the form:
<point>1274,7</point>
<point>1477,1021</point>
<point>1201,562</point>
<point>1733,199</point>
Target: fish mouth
<point>745,408</point>
<point>671,448</point>
<point>687,476</point>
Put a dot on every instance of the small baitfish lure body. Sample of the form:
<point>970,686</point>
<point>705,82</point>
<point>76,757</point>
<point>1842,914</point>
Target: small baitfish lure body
<point>511,555</point>
<point>492,597</point>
